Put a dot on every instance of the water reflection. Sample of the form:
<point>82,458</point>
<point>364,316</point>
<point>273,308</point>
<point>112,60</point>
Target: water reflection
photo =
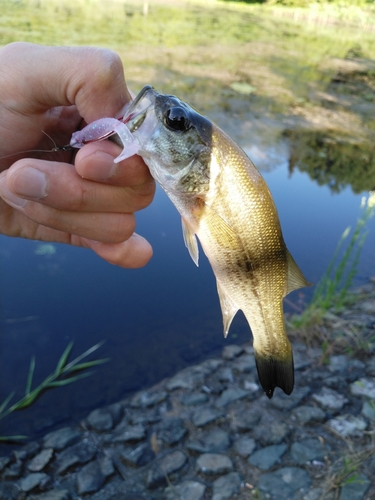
<point>328,160</point>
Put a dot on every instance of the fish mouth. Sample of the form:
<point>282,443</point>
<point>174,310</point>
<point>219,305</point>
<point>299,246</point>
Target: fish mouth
<point>140,106</point>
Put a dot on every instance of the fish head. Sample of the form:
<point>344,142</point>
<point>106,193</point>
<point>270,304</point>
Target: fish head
<point>175,140</point>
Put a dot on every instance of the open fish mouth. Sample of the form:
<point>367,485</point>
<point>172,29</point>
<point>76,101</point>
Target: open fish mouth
<point>140,106</point>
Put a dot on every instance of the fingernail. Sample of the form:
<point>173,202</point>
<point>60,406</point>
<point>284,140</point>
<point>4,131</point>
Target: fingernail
<point>29,182</point>
<point>9,197</point>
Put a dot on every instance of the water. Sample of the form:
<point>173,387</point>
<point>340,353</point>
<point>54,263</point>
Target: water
<point>154,320</point>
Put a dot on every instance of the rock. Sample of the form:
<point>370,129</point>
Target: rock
<point>194,399</point>
<point>245,421</point>
<point>33,480</point>
<point>252,388</point>
<point>314,494</point>
<point>363,387</point>
<point>4,461</point>
<point>60,439</point>
<point>348,425</point>
<point>90,478</point>
<point>245,363</point>
<point>100,420</point>
<point>284,402</point>
<point>193,376</point>
<point>213,441</point>
<point>370,368</point>
<point>41,460</point>
<point>139,456</point>
<point>212,464</point>
<point>356,489</point>
<point>368,410</point>
<point>307,450</point>
<point>338,363</point>
<point>52,495</point>
<point>267,457</point>
<point>230,395</point>
<point>226,486</point>
<point>330,400</point>
<point>168,464</point>
<point>28,451</point>
<point>171,431</point>
<point>13,471</point>
<point>9,490</point>
<point>307,414</point>
<point>106,465</point>
<point>285,484</point>
<point>368,306</point>
<point>301,360</point>
<point>146,399</point>
<point>130,433</point>
<point>231,351</point>
<point>187,490</point>
<point>204,416</point>
<point>225,374</point>
<point>80,453</point>
<point>244,446</point>
<point>271,432</point>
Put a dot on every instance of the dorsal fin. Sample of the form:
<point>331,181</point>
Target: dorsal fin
<point>295,278</point>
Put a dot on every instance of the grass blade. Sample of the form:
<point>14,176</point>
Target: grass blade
<point>6,401</point>
<point>89,364</point>
<point>64,358</point>
<point>83,355</point>
<point>30,376</point>
<point>66,381</point>
<point>6,439</point>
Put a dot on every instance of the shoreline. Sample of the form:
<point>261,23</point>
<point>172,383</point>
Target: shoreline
<point>209,432</point>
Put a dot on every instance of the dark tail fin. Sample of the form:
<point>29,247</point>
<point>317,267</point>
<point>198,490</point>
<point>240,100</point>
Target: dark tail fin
<point>275,373</point>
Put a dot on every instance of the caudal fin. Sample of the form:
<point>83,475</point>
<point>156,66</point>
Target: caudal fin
<point>274,373</point>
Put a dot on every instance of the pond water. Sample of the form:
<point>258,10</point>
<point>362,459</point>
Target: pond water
<point>154,320</point>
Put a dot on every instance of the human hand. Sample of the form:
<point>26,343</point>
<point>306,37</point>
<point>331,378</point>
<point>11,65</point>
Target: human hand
<point>54,90</point>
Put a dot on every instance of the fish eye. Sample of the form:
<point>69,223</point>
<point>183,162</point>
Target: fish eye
<point>176,119</point>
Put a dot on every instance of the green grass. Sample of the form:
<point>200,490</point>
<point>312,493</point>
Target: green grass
<point>333,290</point>
<point>65,373</point>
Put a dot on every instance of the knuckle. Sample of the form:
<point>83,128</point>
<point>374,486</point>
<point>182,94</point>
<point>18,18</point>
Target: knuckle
<point>108,68</point>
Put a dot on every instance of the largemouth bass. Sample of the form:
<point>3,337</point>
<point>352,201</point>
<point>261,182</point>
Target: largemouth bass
<point>224,201</point>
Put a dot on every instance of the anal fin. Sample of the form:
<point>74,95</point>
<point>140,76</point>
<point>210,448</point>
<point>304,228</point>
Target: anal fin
<point>191,242</point>
<point>228,307</point>
<point>274,373</point>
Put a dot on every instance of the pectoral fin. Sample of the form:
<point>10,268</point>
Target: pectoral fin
<point>228,307</point>
<point>219,228</point>
<point>295,278</point>
<point>191,242</point>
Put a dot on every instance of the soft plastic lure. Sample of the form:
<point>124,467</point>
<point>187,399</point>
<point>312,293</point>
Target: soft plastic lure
<point>103,129</point>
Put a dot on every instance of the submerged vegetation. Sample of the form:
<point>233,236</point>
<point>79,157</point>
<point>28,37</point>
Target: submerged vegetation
<point>65,373</point>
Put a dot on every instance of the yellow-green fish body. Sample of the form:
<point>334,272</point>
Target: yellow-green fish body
<point>223,199</point>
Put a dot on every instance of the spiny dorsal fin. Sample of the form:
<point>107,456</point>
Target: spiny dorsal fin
<point>228,307</point>
<point>295,278</point>
<point>191,242</point>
